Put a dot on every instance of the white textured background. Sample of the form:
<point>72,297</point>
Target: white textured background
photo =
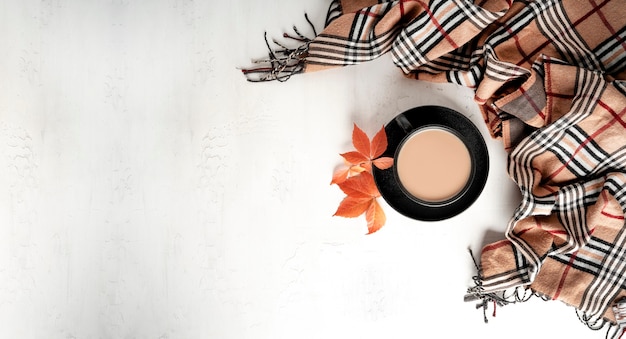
<point>148,191</point>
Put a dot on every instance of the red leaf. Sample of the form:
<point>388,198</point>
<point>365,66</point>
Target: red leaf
<point>367,166</point>
<point>355,170</point>
<point>340,175</point>
<point>350,191</point>
<point>383,163</point>
<point>357,181</point>
<point>351,207</point>
<point>379,144</point>
<point>360,141</point>
<point>354,157</point>
<point>360,186</point>
<point>375,217</point>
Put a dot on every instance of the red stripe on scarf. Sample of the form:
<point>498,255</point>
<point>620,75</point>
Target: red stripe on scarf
<point>532,103</point>
<point>437,24</point>
<point>608,25</point>
<point>606,203</point>
<point>547,42</point>
<point>562,281</point>
<point>496,245</point>
<point>616,118</point>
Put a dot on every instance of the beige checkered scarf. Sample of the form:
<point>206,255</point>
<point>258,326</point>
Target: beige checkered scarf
<point>548,78</point>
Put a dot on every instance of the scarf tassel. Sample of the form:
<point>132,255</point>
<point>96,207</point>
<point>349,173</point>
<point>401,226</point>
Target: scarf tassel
<point>283,61</point>
<point>477,292</point>
<point>524,293</point>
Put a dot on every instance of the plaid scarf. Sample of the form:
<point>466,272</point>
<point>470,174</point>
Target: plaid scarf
<point>548,78</point>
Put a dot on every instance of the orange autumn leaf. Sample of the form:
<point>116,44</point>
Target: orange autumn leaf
<point>375,217</point>
<point>355,157</point>
<point>342,173</point>
<point>379,144</point>
<point>351,207</point>
<point>360,141</point>
<point>383,162</point>
<point>367,152</point>
<point>356,179</point>
<point>361,193</point>
<point>360,186</point>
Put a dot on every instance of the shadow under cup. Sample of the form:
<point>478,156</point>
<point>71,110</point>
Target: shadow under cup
<point>440,163</point>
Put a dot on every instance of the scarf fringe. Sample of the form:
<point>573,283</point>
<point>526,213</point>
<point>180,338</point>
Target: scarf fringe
<point>283,61</point>
<point>500,298</point>
<point>595,325</point>
<point>524,293</point>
